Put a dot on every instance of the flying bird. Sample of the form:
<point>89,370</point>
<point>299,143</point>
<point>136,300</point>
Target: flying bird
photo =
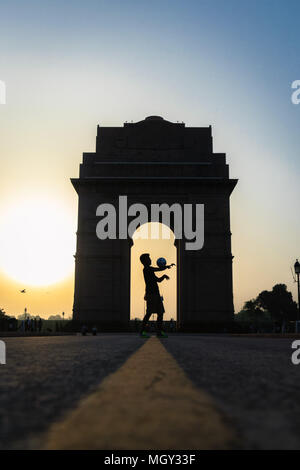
<point>23,291</point>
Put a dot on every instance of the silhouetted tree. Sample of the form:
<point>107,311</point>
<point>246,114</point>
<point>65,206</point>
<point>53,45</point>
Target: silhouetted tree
<point>279,302</point>
<point>252,312</point>
<point>55,317</point>
<point>7,322</point>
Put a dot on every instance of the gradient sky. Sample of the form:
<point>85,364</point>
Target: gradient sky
<point>69,65</point>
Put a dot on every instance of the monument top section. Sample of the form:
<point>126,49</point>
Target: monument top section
<point>154,118</point>
<point>154,121</point>
<point>154,139</point>
<point>153,150</point>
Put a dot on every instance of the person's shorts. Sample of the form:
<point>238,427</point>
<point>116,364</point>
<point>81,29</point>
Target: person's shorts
<point>154,304</point>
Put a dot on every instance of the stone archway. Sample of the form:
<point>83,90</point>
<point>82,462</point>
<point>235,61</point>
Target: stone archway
<point>152,162</point>
<point>156,247</point>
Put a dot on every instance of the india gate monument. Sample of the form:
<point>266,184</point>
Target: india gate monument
<point>154,161</point>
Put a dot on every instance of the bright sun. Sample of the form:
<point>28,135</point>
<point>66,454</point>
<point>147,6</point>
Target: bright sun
<point>37,242</point>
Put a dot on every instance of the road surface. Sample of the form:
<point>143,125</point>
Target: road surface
<point>252,383</point>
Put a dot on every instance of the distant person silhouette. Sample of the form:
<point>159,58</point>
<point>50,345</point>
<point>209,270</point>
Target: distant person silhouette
<point>94,331</point>
<point>84,330</point>
<point>152,295</point>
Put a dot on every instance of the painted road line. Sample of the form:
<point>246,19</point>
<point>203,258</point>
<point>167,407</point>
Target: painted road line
<point>149,403</point>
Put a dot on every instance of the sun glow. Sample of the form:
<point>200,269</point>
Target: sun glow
<point>37,242</point>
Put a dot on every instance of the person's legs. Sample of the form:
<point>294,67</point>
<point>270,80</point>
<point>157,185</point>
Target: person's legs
<point>159,322</point>
<point>145,321</point>
<point>160,313</point>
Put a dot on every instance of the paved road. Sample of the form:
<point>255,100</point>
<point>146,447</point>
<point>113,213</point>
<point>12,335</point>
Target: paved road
<point>252,380</point>
<point>46,376</point>
<point>148,403</point>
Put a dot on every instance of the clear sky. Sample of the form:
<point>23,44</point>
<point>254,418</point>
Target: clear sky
<point>69,65</point>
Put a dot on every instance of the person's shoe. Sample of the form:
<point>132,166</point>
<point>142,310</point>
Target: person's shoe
<point>144,334</point>
<point>162,334</point>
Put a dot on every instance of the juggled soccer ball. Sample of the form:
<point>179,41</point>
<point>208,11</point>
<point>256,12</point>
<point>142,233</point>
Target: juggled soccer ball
<point>161,262</point>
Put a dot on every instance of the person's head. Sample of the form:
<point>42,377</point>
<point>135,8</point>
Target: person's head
<point>145,259</point>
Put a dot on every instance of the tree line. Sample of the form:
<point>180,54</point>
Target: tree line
<point>276,305</point>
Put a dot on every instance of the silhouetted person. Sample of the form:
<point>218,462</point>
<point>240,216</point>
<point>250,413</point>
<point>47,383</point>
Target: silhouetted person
<point>152,295</point>
<point>94,331</point>
<point>84,330</point>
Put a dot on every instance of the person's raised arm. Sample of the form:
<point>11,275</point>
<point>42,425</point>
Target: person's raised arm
<point>162,268</point>
<point>159,279</point>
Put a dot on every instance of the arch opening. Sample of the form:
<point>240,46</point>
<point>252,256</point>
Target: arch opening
<point>158,240</point>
